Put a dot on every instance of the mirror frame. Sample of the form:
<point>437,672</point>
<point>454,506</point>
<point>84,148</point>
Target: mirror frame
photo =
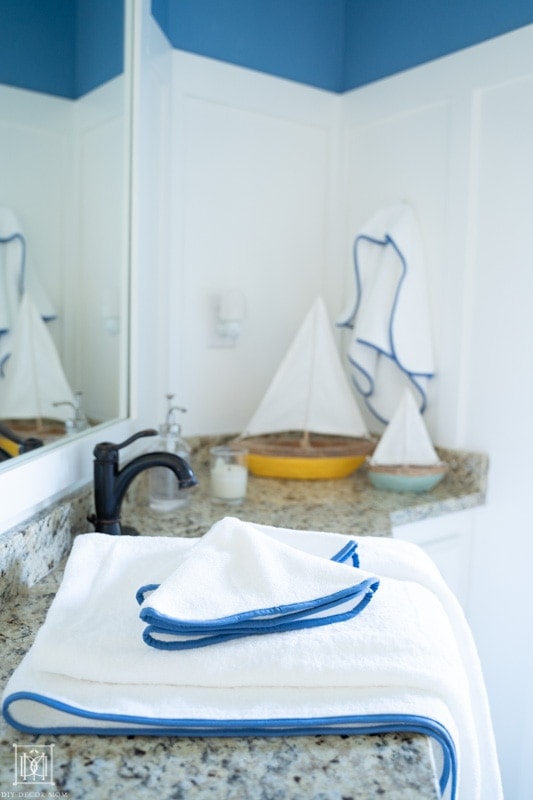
<point>32,482</point>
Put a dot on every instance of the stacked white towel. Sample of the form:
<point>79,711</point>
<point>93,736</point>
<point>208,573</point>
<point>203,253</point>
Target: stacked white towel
<point>407,663</point>
<point>236,583</point>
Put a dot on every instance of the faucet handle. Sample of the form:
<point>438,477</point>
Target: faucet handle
<point>107,451</point>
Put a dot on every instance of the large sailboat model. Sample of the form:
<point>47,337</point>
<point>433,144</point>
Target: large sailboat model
<point>308,425</point>
<point>34,392</point>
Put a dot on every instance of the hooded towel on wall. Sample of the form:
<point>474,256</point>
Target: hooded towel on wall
<point>390,340</point>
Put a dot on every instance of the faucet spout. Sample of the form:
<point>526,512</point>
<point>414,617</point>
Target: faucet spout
<point>110,483</point>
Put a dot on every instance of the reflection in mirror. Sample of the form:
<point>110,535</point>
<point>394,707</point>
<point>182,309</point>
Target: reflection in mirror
<point>64,161</point>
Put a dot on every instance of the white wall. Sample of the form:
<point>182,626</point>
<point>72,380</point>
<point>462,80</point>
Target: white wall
<point>497,406</point>
<point>252,172</point>
<point>96,273</point>
<point>36,167</point>
<point>151,215</point>
<point>62,168</point>
<point>454,138</point>
<point>268,184</point>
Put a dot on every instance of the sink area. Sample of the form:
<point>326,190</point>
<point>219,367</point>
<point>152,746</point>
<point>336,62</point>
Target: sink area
<point>391,765</point>
<point>398,765</point>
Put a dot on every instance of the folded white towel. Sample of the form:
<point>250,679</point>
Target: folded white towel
<point>400,665</point>
<point>236,581</point>
<point>390,343</point>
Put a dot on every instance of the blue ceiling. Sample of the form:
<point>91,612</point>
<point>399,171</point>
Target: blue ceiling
<point>68,47</point>
<point>335,45</point>
<point>61,47</point>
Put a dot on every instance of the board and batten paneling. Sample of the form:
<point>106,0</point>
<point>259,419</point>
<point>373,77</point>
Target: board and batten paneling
<point>251,190</point>
<point>499,387</point>
<point>454,136</point>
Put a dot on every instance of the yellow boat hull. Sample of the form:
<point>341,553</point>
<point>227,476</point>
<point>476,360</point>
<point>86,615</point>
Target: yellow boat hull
<point>317,458</point>
<point>305,469</point>
<point>10,447</point>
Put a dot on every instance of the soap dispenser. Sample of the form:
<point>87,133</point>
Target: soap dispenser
<point>78,422</point>
<point>164,492</point>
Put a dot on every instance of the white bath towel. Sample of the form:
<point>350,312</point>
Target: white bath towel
<point>406,663</point>
<point>236,581</point>
<point>390,341</point>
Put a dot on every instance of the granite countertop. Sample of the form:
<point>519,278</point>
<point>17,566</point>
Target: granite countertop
<point>348,505</point>
<point>392,766</point>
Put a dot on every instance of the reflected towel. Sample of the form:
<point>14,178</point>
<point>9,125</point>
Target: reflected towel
<point>16,275</point>
<point>237,581</point>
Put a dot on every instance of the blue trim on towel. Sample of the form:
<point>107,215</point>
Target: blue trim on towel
<point>21,281</point>
<point>295,622</point>
<point>294,616</point>
<point>143,590</point>
<point>22,240</point>
<point>292,726</point>
<point>346,552</point>
<point>391,353</point>
<point>265,616</point>
<point>275,619</point>
<point>3,361</point>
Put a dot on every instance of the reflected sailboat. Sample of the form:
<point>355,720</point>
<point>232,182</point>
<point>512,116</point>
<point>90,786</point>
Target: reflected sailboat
<point>34,381</point>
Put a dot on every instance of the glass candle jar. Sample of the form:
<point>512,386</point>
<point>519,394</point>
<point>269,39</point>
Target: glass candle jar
<point>228,473</point>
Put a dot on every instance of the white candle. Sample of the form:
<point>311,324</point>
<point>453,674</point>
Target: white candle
<point>228,481</point>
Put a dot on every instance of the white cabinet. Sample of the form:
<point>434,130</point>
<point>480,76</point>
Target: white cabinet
<point>448,541</point>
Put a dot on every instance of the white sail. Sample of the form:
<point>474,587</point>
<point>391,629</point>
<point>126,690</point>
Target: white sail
<point>310,391</point>
<point>34,378</point>
<point>405,439</point>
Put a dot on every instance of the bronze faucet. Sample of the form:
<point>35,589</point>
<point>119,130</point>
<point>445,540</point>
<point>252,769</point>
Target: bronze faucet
<point>110,483</point>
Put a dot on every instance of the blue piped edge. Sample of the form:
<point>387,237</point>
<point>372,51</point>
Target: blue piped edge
<point>292,726</point>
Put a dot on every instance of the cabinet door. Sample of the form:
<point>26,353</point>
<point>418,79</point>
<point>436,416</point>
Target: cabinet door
<point>447,540</point>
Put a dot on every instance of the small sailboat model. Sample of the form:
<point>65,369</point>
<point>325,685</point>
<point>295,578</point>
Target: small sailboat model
<point>308,425</point>
<point>405,459</point>
<point>34,380</point>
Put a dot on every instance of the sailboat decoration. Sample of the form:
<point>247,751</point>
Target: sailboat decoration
<point>405,459</point>
<point>308,425</point>
<point>34,379</point>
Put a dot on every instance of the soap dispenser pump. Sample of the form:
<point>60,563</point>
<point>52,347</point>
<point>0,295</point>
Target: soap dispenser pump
<point>164,492</point>
<point>78,422</point>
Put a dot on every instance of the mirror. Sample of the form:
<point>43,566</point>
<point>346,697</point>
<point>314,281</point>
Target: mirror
<point>64,217</point>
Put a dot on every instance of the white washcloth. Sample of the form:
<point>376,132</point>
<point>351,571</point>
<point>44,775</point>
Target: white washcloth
<point>390,342</point>
<point>236,581</point>
<point>406,663</point>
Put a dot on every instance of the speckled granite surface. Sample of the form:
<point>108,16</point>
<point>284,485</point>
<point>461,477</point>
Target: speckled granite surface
<point>349,505</point>
<point>393,766</point>
<point>31,550</point>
